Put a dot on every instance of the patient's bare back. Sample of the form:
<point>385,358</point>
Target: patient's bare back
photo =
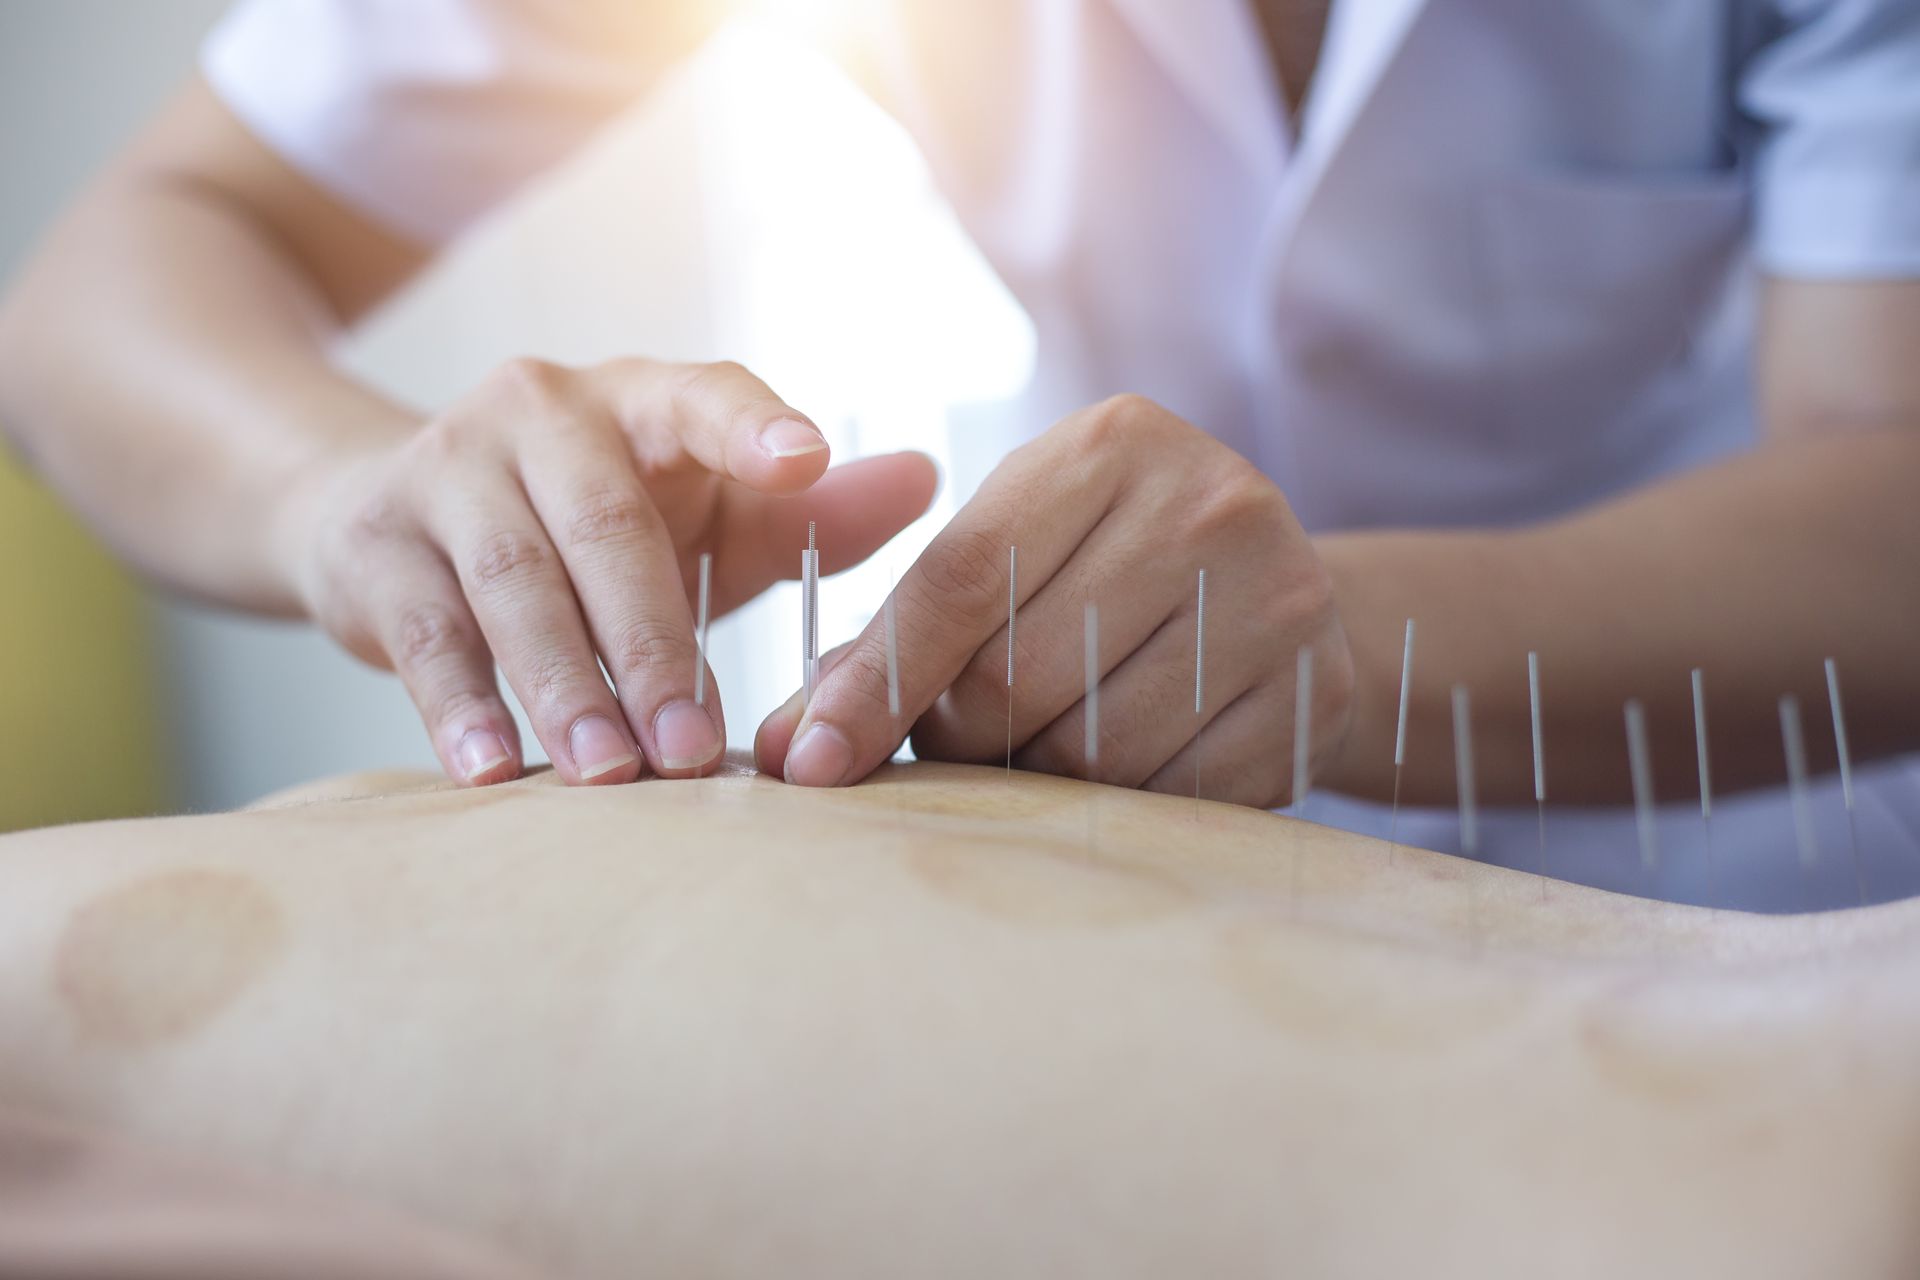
<point>949,1022</point>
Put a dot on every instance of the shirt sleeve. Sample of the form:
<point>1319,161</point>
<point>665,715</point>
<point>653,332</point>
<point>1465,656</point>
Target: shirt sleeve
<point>1835,93</point>
<point>424,114</point>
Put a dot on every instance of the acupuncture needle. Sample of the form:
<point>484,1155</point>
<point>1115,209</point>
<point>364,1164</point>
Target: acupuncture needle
<point>1846,775</point>
<point>1092,699</point>
<point>1640,764</point>
<point>813,611</point>
<point>806,621</point>
<point>1302,728</point>
<point>809,616</point>
<point>1539,762</point>
<point>893,655</point>
<point>1706,787</point>
<point>1469,814</point>
<point>1091,632</point>
<point>1400,739</point>
<point>1199,682</point>
<point>893,675</point>
<point>1796,746</point>
<point>1013,575</point>
<point>700,672</point>
<point>1463,771</point>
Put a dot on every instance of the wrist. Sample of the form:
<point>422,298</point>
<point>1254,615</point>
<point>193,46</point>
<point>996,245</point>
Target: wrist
<point>307,501</point>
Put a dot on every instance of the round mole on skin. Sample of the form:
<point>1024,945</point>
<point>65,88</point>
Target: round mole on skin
<point>154,960</point>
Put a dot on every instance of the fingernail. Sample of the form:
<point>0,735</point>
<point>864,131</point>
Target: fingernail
<point>820,759</point>
<point>598,747</point>
<point>684,735</point>
<point>789,438</point>
<point>481,752</point>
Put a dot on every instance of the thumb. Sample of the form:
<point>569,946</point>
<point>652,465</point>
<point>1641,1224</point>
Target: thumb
<point>775,735</point>
<point>855,510</point>
<point>719,415</point>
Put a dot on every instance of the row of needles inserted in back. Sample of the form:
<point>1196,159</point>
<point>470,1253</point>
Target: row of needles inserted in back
<point>1639,756</point>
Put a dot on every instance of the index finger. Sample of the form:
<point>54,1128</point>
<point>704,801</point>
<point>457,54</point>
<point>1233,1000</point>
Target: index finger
<point>718,415</point>
<point>953,601</point>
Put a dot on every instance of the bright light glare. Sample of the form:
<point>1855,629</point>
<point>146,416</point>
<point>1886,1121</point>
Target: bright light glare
<point>844,280</point>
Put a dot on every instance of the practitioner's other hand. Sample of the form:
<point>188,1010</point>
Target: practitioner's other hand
<point>552,521</point>
<point>1119,505</point>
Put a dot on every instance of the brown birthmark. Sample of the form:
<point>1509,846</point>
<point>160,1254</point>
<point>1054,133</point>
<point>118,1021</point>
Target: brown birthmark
<point>154,960</point>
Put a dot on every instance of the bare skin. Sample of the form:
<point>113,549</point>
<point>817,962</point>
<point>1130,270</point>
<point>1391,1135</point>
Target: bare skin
<point>950,1024</point>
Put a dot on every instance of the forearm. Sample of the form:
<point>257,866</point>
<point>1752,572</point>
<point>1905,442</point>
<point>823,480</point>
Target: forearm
<point>1754,570</point>
<point>164,359</point>
<point>165,367</point>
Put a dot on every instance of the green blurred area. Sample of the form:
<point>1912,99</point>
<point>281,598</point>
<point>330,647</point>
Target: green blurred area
<point>80,735</point>
<point>79,711</point>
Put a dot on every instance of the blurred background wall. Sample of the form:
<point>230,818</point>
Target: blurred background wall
<point>857,298</point>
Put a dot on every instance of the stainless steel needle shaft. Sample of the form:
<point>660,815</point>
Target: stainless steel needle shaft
<point>1400,738</point>
<point>1846,775</point>
<point>1199,681</point>
<point>1640,763</point>
<point>1463,771</point>
<point>1302,728</point>
<point>1795,742</point>
<point>1013,576</point>
<point>700,670</point>
<point>1539,761</point>
<point>1706,772</point>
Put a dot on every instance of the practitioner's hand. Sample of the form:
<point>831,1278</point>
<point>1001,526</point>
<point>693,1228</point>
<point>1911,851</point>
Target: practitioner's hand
<point>1119,505</point>
<point>552,521</point>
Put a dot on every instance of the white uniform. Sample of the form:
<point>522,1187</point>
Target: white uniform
<point>1500,269</point>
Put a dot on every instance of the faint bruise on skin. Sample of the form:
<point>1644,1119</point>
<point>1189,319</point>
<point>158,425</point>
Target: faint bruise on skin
<point>156,959</point>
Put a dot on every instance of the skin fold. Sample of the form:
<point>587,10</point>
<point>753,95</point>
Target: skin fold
<point>951,1023</point>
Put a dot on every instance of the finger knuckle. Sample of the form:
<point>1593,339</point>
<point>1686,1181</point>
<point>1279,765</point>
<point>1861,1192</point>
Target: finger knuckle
<point>648,645</point>
<point>1129,406</point>
<point>456,705</point>
<point>964,575</point>
<point>1231,508</point>
<point>627,366</point>
<point>528,379</point>
<point>439,442</point>
<point>861,678</point>
<point>376,521</point>
<point>610,515</point>
<point>506,558</point>
<point>1118,420</point>
<point>550,681</point>
<point>338,592</point>
<point>425,631</point>
<point>1309,589</point>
